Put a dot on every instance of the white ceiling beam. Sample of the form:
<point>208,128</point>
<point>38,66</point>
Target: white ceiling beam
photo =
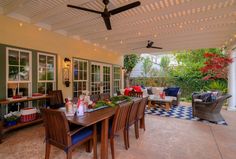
<point>13,5</point>
<point>56,10</point>
<point>125,22</point>
<point>164,30</point>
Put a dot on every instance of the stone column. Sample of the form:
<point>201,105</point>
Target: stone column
<point>232,81</point>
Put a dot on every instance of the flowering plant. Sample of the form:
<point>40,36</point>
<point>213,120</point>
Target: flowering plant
<point>215,66</point>
<point>12,116</point>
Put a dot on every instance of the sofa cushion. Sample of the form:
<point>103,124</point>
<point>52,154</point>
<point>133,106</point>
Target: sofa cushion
<point>172,91</point>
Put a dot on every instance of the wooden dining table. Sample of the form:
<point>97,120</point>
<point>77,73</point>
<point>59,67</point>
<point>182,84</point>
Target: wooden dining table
<point>90,118</point>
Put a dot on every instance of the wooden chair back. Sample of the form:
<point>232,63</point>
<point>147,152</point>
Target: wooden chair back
<point>56,97</point>
<point>95,97</point>
<point>56,127</point>
<point>133,112</point>
<point>142,106</point>
<point>105,96</point>
<point>120,118</point>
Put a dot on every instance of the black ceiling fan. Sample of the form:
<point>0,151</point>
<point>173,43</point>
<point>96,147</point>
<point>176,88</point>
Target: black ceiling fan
<point>106,14</point>
<point>149,45</point>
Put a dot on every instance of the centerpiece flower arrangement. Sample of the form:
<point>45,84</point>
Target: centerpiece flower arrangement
<point>112,102</point>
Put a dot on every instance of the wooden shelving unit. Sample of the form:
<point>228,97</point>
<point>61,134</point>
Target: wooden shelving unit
<point>19,125</point>
<point>5,102</point>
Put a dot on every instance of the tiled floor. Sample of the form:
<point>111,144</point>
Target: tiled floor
<point>165,138</point>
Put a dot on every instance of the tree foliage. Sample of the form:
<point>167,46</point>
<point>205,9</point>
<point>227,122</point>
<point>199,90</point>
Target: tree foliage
<point>187,73</point>
<point>130,61</point>
<point>147,66</point>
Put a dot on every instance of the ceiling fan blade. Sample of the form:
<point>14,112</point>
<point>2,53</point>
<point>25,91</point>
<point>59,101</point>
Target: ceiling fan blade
<point>107,22</point>
<point>84,9</point>
<point>124,8</point>
<point>154,47</point>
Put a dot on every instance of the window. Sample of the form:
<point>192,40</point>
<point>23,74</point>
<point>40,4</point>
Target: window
<point>117,79</point>
<point>80,76</point>
<point>46,73</point>
<point>18,72</point>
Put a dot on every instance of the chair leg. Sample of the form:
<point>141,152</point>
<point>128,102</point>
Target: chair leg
<point>47,153</point>
<point>112,147</point>
<point>142,123</point>
<point>125,139</point>
<point>95,141</point>
<point>136,129</point>
<point>69,154</point>
<point>89,146</point>
<point>127,134</point>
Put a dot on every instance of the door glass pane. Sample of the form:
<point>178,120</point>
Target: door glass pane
<point>24,73</point>
<point>13,73</point>
<point>24,59</point>
<point>49,87</point>
<point>13,57</point>
<point>42,73</point>
<point>42,61</point>
<point>50,73</point>
<point>76,70</point>
<point>75,86</point>
<point>50,62</point>
<point>41,88</point>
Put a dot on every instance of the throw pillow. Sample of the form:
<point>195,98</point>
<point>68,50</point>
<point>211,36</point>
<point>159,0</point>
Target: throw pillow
<point>149,91</point>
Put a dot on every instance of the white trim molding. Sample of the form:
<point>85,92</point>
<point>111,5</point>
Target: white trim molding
<point>231,80</point>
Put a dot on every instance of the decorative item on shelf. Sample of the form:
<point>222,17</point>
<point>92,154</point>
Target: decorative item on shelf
<point>11,118</point>
<point>66,71</point>
<point>28,114</point>
<point>13,86</point>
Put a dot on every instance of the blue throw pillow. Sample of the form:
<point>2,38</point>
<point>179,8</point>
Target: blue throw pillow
<point>172,91</point>
<point>206,97</point>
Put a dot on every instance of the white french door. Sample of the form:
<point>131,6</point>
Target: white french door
<point>100,78</point>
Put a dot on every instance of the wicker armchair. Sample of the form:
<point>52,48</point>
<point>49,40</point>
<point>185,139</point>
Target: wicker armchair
<point>208,110</point>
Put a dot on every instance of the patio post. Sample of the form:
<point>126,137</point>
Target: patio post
<point>232,80</point>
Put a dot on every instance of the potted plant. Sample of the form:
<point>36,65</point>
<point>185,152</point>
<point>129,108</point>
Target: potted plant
<point>11,118</point>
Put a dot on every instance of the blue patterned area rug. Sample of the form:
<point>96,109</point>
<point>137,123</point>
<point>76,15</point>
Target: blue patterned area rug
<point>180,112</point>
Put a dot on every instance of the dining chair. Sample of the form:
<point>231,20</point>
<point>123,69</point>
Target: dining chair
<point>56,99</point>
<point>59,134</point>
<point>119,124</point>
<point>141,115</point>
<point>132,119</point>
<point>95,97</point>
<point>105,96</point>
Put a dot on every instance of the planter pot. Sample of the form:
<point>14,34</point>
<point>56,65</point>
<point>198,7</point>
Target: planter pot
<point>10,123</point>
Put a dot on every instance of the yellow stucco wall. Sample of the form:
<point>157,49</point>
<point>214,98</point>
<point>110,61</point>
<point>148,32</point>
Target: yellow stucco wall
<point>28,36</point>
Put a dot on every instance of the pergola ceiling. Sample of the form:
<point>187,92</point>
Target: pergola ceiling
<point>171,24</point>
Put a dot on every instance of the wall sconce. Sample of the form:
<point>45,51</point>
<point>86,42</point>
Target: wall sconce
<point>66,72</point>
<point>67,62</point>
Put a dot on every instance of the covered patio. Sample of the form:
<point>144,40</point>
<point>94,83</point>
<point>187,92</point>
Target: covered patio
<point>48,45</point>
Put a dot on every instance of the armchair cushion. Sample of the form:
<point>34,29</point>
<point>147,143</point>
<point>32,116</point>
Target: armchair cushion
<point>172,91</point>
<point>81,135</point>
